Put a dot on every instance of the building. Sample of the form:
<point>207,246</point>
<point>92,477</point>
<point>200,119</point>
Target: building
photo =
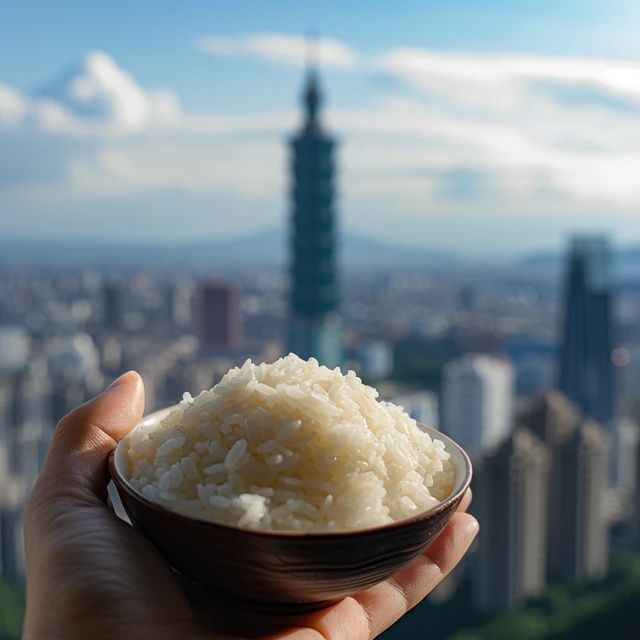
<point>14,349</point>
<point>635,506</point>
<point>586,370</point>
<point>375,359</point>
<point>219,322</point>
<point>626,436</point>
<point>113,295</point>
<point>578,450</point>
<point>477,401</point>
<point>12,498</point>
<point>584,471</point>
<point>553,418</point>
<point>511,490</point>
<point>314,322</point>
<point>5,417</point>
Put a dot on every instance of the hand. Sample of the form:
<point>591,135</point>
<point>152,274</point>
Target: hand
<point>91,576</point>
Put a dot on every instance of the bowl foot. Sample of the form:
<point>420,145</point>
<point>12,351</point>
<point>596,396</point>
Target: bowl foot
<point>201,596</point>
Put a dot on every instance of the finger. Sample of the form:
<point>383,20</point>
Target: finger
<point>85,437</point>
<point>370,612</point>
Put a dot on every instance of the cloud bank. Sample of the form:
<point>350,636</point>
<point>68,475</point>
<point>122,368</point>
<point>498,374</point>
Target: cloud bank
<point>444,137</point>
<point>281,49</point>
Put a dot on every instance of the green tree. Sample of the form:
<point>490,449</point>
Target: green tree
<point>11,611</point>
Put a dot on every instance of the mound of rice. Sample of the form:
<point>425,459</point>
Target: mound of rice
<point>290,446</point>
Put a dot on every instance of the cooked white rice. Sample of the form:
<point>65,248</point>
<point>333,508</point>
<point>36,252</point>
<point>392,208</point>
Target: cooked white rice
<point>290,446</point>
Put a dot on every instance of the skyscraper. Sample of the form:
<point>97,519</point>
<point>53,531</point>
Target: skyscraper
<point>553,418</point>
<point>586,370</point>
<point>5,419</point>
<point>219,318</point>
<point>635,506</point>
<point>577,530</point>
<point>113,293</point>
<point>12,497</point>
<point>314,321</point>
<point>584,526</point>
<point>511,488</point>
<point>477,401</point>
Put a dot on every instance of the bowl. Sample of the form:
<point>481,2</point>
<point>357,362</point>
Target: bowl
<point>284,571</point>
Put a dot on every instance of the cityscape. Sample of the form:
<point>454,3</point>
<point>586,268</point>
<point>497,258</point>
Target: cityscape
<point>538,402</point>
<point>531,363</point>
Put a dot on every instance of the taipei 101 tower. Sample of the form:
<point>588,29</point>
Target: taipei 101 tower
<point>314,320</point>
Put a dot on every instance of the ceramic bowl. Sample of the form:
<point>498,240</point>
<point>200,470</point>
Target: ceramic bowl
<point>287,571</point>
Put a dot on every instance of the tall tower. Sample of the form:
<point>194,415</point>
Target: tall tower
<point>314,321</point>
<point>586,371</point>
<point>512,491</point>
<point>477,401</point>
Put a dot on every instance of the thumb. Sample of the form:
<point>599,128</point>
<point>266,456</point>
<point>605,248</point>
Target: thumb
<point>77,458</point>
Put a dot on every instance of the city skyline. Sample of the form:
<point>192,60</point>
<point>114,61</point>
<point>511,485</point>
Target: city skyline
<point>483,143</point>
<point>441,201</point>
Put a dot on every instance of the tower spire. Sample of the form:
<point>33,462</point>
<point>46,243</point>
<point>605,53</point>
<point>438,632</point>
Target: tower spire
<point>312,95</point>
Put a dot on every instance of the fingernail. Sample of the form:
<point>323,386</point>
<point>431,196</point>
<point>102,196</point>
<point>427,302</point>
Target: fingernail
<point>119,380</point>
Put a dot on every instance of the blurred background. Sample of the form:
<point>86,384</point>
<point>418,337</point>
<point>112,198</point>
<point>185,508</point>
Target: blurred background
<point>442,196</point>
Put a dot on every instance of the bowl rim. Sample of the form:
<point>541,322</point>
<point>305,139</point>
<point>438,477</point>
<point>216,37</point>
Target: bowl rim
<point>455,496</point>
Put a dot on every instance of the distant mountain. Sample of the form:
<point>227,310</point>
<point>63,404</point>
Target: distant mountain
<point>626,263</point>
<point>267,248</point>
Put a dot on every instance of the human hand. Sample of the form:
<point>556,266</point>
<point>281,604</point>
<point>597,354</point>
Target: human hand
<point>91,576</point>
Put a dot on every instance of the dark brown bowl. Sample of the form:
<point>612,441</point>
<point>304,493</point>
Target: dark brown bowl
<point>285,571</point>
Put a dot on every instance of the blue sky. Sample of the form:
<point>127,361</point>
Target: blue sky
<point>488,127</point>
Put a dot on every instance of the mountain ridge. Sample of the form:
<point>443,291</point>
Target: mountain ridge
<point>263,248</point>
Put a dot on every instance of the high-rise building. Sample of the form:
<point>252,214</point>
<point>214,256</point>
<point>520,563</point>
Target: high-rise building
<point>511,489</point>
<point>375,359</point>
<point>113,293</point>
<point>477,401</point>
<point>577,529</point>
<point>31,422</point>
<point>586,370</point>
<point>552,418</point>
<point>314,322</point>
<point>583,523</point>
<point>626,438</point>
<point>219,318</point>
<point>635,506</point>
<point>5,418</point>
<point>14,349</point>
<point>12,497</point>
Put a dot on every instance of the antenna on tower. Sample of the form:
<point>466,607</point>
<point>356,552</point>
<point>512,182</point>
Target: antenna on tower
<point>312,97</point>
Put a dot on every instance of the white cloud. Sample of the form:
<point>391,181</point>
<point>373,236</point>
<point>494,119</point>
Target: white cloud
<point>12,107</point>
<point>501,82</point>
<point>280,49</point>
<point>95,96</point>
<point>455,134</point>
<point>560,130</point>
